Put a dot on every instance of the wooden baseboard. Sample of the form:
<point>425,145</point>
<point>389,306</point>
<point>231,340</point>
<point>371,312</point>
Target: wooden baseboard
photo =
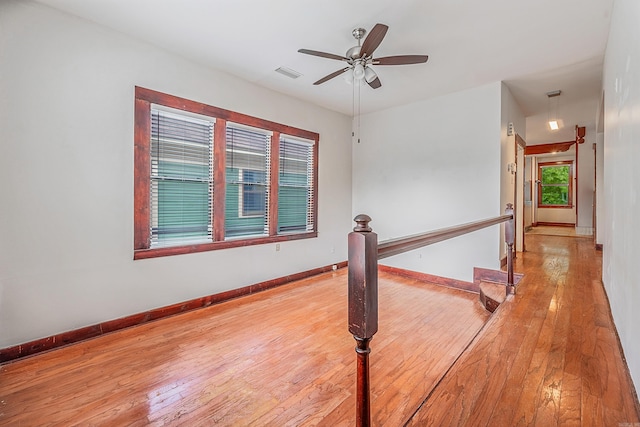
<point>557,224</point>
<point>430,278</point>
<point>65,338</point>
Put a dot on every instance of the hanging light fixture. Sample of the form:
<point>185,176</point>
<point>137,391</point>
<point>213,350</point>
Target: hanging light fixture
<point>358,71</point>
<point>369,75</point>
<point>360,74</point>
<point>553,121</point>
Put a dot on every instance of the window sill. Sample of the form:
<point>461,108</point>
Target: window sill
<point>555,206</point>
<point>212,246</point>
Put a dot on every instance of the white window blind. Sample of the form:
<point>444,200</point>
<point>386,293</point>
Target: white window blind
<point>247,181</point>
<point>295,186</point>
<point>181,178</point>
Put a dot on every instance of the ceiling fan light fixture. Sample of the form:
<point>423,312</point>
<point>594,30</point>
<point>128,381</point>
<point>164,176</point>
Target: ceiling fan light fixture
<point>369,75</point>
<point>358,71</point>
<point>348,77</point>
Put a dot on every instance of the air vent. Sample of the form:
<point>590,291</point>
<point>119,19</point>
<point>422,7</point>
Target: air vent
<point>288,72</point>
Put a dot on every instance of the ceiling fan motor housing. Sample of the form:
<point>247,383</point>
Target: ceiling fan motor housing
<point>353,53</point>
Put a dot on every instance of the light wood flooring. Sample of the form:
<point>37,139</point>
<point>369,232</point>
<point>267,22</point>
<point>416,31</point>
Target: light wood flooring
<point>548,356</point>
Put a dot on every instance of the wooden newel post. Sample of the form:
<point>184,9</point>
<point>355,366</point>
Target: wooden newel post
<point>509,234</point>
<point>363,307</point>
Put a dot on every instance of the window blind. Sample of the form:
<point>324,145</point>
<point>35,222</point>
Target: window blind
<point>181,178</point>
<point>295,185</point>
<point>247,181</point>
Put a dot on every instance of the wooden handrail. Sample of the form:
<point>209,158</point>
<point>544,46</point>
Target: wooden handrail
<point>364,252</point>
<point>415,241</point>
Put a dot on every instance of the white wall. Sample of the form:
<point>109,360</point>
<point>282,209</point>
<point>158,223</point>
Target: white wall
<point>529,179</point>
<point>66,177</point>
<point>433,164</point>
<point>621,195</point>
<point>599,187</point>
<point>586,183</point>
<point>510,112</point>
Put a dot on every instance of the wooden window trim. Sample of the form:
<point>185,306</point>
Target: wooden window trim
<point>144,98</point>
<point>558,163</point>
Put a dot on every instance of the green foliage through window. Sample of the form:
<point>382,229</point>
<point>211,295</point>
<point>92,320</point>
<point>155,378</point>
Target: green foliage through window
<point>555,185</point>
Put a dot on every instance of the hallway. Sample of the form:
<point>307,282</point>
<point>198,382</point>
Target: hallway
<point>549,357</point>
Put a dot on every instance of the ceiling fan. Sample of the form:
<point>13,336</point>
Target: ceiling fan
<point>360,57</point>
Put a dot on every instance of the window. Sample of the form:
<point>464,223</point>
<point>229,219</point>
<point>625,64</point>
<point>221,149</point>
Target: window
<point>208,178</point>
<point>556,184</point>
<point>295,190</point>
<point>246,181</point>
<point>181,178</point>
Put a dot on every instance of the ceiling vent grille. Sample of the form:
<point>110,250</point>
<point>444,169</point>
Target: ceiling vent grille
<point>288,72</point>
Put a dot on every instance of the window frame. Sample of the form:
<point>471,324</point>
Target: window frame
<point>569,205</point>
<point>144,99</point>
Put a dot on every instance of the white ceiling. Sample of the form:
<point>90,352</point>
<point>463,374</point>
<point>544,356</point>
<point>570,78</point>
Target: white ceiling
<point>535,46</point>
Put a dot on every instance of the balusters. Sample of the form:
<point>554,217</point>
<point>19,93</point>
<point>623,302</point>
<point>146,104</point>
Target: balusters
<point>509,234</point>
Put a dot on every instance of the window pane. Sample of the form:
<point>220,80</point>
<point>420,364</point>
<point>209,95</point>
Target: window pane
<point>555,195</point>
<point>181,178</point>
<point>295,186</point>
<point>253,193</point>
<point>555,175</point>
<point>246,181</point>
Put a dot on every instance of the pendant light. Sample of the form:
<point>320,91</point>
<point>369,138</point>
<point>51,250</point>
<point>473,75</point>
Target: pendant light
<point>553,120</point>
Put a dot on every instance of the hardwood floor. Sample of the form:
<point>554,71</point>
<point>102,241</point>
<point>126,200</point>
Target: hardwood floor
<point>280,357</point>
<point>548,356</point>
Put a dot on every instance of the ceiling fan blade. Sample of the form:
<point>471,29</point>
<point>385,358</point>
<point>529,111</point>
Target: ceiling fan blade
<point>400,60</point>
<point>323,54</point>
<point>376,83</point>
<point>332,75</point>
<point>373,40</point>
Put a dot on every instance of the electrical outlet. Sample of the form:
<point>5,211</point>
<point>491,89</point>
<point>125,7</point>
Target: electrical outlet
<point>277,247</point>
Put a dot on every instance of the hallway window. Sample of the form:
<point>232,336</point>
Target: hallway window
<point>555,188</point>
<point>207,178</point>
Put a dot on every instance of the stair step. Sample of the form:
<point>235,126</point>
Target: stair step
<point>492,295</point>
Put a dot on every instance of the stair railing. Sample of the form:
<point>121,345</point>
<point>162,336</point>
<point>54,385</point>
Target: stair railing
<point>364,252</point>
